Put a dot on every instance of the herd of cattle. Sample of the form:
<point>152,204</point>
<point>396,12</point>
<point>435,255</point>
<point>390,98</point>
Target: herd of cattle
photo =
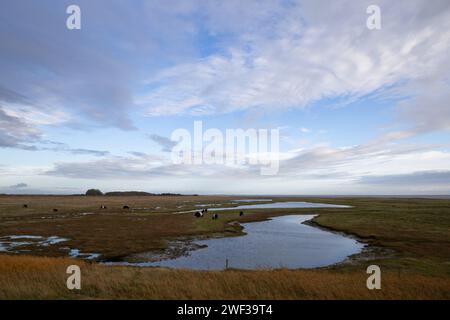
<point>215,216</point>
<point>198,214</point>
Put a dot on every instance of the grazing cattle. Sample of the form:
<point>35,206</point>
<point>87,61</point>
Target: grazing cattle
<point>198,214</point>
<point>25,206</point>
<point>102,206</point>
<point>126,207</point>
<point>241,213</point>
<point>55,210</point>
<point>215,216</point>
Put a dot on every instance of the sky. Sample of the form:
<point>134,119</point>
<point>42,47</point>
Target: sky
<point>358,110</point>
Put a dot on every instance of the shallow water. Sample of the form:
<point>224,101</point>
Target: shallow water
<point>14,242</point>
<point>252,200</point>
<point>279,242</point>
<point>273,205</point>
<point>75,253</point>
<point>282,205</point>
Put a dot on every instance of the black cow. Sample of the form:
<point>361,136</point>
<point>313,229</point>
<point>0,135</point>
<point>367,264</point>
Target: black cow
<point>126,207</point>
<point>198,214</point>
<point>55,210</point>
<point>241,213</point>
<point>25,206</point>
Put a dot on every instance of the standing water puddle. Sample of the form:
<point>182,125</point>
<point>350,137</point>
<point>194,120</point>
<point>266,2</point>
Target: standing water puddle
<point>282,242</point>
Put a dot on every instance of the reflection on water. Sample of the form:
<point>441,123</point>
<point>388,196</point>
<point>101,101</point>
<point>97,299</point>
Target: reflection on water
<point>252,200</point>
<point>274,205</point>
<point>282,205</point>
<point>279,242</point>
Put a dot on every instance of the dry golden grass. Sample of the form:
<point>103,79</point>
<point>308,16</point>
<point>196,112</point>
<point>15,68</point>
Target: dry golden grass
<point>26,277</point>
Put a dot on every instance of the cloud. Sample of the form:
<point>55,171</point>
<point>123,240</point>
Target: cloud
<point>428,110</point>
<point>311,54</point>
<point>144,166</point>
<point>355,159</point>
<point>212,58</point>
<point>164,142</point>
<point>259,55</point>
<point>110,168</point>
<point>19,134</point>
<point>15,133</point>
<point>368,168</point>
<point>435,178</point>
<point>7,95</point>
<point>19,186</point>
<point>91,77</point>
<point>318,163</point>
<point>304,130</point>
<point>89,74</point>
<point>62,147</point>
<point>138,154</point>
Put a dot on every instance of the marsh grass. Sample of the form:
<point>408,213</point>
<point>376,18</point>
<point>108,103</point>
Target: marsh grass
<point>23,277</point>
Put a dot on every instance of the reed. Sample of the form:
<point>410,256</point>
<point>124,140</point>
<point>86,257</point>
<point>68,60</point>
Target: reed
<point>26,277</point>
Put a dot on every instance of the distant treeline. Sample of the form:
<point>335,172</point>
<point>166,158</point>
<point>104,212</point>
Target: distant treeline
<point>139,193</point>
<point>96,192</point>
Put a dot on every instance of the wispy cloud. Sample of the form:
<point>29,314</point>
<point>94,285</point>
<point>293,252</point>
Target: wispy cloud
<point>304,130</point>
<point>19,186</point>
<point>15,133</point>
<point>62,147</point>
<point>90,74</point>
<point>351,165</point>
<point>310,55</point>
<point>164,142</point>
<point>435,178</point>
